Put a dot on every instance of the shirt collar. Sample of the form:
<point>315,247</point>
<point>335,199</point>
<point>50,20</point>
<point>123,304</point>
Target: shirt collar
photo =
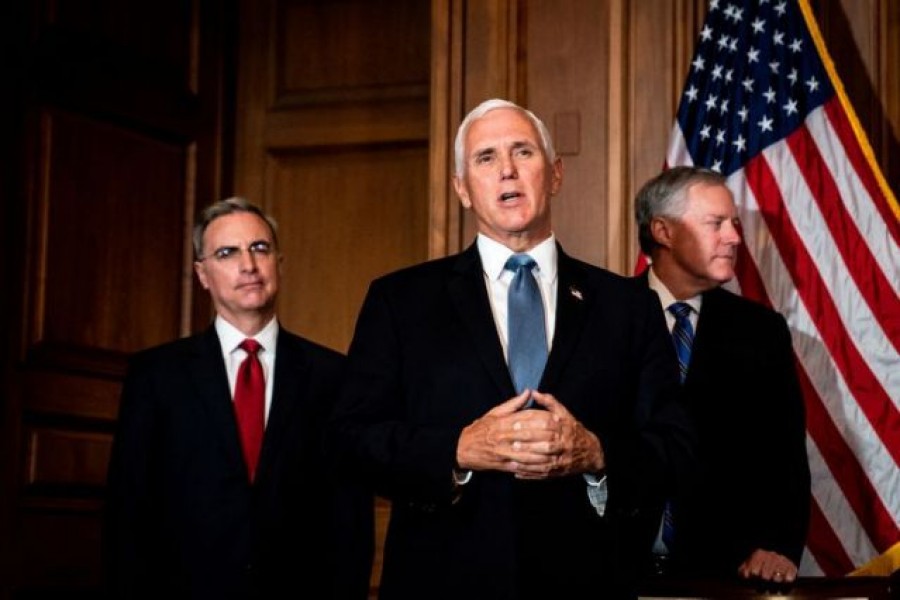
<point>666,297</point>
<point>494,256</point>
<point>230,336</point>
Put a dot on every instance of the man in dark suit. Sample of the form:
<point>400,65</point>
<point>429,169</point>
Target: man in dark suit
<point>205,502</point>
<point>548,490</point>
<point>746,510</point>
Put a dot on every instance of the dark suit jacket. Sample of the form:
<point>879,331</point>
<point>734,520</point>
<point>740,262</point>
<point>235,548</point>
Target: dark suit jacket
<point>426,361</point>
<point>752,487</point>
<point>183,521</point>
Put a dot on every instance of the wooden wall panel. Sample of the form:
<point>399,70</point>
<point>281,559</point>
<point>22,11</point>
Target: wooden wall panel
<point>316,63</point>
<point>572,98</point>
<point>333,125</point>
<point>112,246</point>
<point>59,457</point>
<point>332,137</point>
<point>118,118</point>
<point>345,216</point>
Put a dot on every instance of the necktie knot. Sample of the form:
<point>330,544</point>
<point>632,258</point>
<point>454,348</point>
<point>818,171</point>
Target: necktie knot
<point>250,346</point>
<point>681,310</point>
<point>519,261</point>
<point>682,335</point>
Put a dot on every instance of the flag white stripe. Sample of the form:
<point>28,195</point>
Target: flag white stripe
<point>808,565</point>
<point>837,511</point>
<point>862,326</point>
<point>873,458</point>
<point>871,454</point>
<point>856,198</point>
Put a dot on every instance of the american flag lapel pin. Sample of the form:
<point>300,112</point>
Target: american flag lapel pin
<point>576,293</point>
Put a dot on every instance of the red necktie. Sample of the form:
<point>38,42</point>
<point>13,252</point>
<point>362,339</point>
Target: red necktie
<point>250,404</point>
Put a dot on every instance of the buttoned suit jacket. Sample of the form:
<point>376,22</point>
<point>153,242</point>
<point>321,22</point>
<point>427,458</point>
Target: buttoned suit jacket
<point>426,361</point>
<point>751,488</point>
<point>183,520</point>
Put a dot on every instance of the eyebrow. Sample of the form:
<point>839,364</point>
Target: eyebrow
<point>493,149</point>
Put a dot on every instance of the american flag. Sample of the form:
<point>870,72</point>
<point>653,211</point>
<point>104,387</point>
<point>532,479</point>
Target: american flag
<point>764,106</point>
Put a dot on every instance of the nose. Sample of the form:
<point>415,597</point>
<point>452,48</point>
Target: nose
<point>508,168</point>
<point>248,261</point>
<point>731,234</point>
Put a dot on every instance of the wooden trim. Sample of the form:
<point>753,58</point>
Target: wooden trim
<point>617,234</point>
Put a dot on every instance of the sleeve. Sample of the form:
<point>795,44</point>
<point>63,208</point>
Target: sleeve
<point>129,520</point>
<point>371,431</point>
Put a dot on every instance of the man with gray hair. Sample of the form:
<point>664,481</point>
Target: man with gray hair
<point>218,483</point>
<point>745,510</point>
<point>516,405</point>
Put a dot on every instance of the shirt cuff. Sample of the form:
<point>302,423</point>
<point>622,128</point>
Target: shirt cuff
<point>597,492</point>
<point>461,477</point>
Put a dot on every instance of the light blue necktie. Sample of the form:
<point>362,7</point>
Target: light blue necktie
<point>682,335</point>
<point>527,352</point>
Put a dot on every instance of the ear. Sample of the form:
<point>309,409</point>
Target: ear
<point>556,176</point>
<point>460,187</point>
<point>200,270</point>
<point>661,230</point>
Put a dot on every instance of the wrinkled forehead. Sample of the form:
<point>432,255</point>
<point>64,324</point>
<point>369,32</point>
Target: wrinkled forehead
<point>236,229</point>
<point>505,126</point>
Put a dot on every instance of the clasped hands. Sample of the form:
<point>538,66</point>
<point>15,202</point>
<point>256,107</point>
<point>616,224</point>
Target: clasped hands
<point>530,443</point>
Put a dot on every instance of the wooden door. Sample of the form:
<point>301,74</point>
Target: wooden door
<point>332,138</point>
<point>115,133</point>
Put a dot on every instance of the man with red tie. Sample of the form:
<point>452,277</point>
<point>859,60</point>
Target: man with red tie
<point>217,478</point>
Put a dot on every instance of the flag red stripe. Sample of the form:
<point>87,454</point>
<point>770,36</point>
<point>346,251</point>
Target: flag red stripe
<point>745,270</point>
<point>865,271</point>
<point>824,545</point>
<point>841,125</point>
<point>869,394</point>
<point>861,494</point>
<point>839,458</point>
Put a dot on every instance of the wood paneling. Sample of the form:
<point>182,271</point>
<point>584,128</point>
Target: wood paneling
<point>319,58</point>
<point>572,98</point>
<point>345,117</point>
<point>333,127</point>
<point>107,242</point>
<point>119,126</point>
<point>332,138</point>
<point>59,458</point>
<point>345,216</point>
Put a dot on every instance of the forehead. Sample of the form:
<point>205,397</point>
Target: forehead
<point>501,125</point>
<point>707,197</point>
<point>237,227</point>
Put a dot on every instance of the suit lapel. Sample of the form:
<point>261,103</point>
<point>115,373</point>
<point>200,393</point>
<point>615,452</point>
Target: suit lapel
<point>291,369</point>
<point>572,299</point>
<point>211,384</point>
<point>467,291</point>
<point>710,312</point>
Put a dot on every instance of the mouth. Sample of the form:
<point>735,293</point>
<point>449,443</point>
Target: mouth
<point>506,196</point>
<point>250,285</point>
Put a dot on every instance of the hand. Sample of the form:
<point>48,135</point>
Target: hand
<point>532,444</point>
<point>768,566</point>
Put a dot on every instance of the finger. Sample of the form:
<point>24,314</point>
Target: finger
<point>557,409</point>
<point>512,405</point>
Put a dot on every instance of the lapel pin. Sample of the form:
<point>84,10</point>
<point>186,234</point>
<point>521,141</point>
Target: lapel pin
<point>576,293</point>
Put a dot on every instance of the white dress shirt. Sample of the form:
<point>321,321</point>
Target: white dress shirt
<point>230,339</point>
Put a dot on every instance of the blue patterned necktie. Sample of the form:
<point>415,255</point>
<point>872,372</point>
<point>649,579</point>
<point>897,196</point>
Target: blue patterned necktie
<point>527,352</point>
<point>683,338</point>
<point>682,335</point>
